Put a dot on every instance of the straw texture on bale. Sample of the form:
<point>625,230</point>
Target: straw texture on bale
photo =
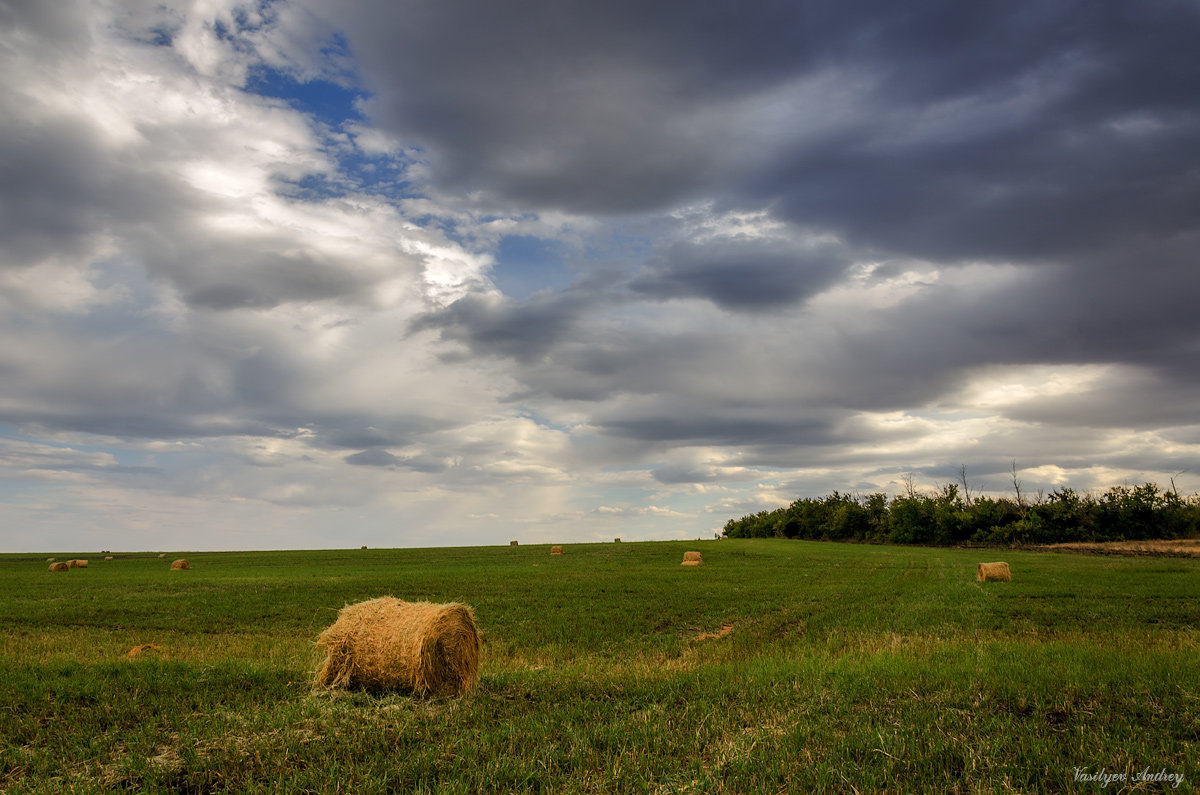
<point>993,572</point>
<point>692,559</point>
<point>180,565</point>
<point>59,566</point>
<point>389,644</point>
<point>77,564</point>
<point>556,550</point>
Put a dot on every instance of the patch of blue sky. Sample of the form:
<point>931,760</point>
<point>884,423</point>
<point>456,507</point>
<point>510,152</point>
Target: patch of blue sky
<point>328,102</point>
<point>526,265</point>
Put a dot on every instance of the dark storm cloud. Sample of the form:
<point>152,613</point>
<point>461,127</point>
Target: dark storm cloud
<point>981,129</point>
<point>493,325</point>
<point>739,273</point>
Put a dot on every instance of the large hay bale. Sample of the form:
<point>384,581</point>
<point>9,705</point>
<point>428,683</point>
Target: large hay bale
<point>692,559</point>
<point>993,572</point>
<point>77,564</point>
<point>180,565</point>
<point>388,644</point>
<point>59,566</point>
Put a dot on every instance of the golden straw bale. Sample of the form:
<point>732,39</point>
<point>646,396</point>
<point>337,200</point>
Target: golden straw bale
<point>180,565</point>
<point>556,550</point>
<point>388,644</point>
<point>51,560</point>
<point>77,564</point>
<point>141,649</point>
<point>993,572</point>
<point>162,554</point>
<point>692,559</point>
<point>108,557</point>
<point>59,566</point>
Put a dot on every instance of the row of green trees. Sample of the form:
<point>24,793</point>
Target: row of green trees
<point>946,517</point>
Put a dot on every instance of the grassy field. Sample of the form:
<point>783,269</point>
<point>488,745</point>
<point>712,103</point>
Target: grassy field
<point>777,666</point>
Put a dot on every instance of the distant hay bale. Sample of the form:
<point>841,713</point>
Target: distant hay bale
<point>556,550</point>
<point>108,557</point>
<point>162,554</point>
<point>616,540</point>
<point>364,546</point>
<point>993,572</point>
<point>512,543</point>
<point>51,560</point>
<point>692,559</point>
<point>180,565</point>
<point>141,649</point>
<point>388,644</point>
<point>59,566</point>
<point>77,564</point>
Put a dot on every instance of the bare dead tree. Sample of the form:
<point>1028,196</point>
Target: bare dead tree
<point>910,489</point>
<point>962,478</point>
<point>1177,474</point>
<point>1016,482</point>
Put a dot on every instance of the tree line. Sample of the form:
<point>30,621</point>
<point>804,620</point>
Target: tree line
<point>950,516</point>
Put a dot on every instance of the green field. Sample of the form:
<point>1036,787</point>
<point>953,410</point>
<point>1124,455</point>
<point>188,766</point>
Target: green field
<point>846,668</point>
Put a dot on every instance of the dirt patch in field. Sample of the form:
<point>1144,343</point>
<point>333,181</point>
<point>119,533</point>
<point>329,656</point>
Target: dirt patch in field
<point>722,632</point>
<point>1174,548</point>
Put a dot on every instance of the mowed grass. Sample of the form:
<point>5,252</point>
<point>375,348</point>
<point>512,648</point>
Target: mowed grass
<point>777,666</point>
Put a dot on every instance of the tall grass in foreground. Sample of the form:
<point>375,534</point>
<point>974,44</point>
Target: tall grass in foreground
<point>609,669</point>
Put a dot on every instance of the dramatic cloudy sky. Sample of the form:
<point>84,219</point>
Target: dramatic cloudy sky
<point>318,273</point>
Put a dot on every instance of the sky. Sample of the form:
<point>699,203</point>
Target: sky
<point>315,274</point>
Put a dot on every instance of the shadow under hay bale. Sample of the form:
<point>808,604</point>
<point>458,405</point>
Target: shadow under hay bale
<point>993,572</point>
<point>388,644</point>
<point>692,559</point>
<point>59,566</point>
<point>180,565</point>
<point>556,550</point>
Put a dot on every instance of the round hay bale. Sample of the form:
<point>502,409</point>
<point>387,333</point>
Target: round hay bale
<point>180,565</point>
<point>77,564</point>
<point>692,559</point>
<point>59,566</point>
<point>512,543</point>
<point>388,644</point>
<point>162,554</point>
<point>51,560</point>
<point>108,557</point>
<point>993,572</point>
<point>556,550</point>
